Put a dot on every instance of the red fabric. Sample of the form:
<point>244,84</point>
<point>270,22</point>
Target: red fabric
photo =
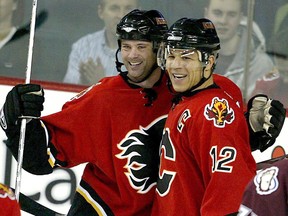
<point>266,194</point>
<point>110,127</point>
<point>90,129</point>
<point>230,88</point>
<point>8,203</point>
<point>204,166</point>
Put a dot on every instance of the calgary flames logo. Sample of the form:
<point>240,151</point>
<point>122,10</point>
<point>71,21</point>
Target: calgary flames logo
<point>219,112</point>
<point>140,148</point>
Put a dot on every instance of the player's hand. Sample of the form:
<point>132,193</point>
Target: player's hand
<point>266,118</point>
<point>91,72</point>
<point>23,101</point>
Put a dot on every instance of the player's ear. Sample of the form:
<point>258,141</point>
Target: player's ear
<point>209,66</point>
<point>210,62</point>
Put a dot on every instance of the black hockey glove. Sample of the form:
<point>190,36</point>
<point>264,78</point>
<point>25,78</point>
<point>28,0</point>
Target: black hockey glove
<point>266,118</point>
<point>24,100</point>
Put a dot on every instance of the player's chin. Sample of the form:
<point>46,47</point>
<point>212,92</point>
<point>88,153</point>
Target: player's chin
<point>178,87</point>
<point>135,76</point>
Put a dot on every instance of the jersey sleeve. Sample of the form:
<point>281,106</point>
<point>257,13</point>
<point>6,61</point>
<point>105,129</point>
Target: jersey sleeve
<point>82,126</point>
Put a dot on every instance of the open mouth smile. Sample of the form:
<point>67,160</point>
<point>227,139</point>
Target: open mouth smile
<point>179,76</point>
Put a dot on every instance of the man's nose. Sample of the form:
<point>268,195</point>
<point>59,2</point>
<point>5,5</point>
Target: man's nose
<point>134,52</point>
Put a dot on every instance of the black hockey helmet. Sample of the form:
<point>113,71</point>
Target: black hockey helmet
<point>193,33</point>
<point>189,33</point>
<point>142,25</point>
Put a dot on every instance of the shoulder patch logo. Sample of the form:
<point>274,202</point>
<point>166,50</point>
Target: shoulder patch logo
<point>219,112</point>
<point>266,181</point>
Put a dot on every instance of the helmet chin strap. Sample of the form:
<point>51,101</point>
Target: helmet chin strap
<point>201,81</point>
<point>118,63</point>
<point>125,73</point>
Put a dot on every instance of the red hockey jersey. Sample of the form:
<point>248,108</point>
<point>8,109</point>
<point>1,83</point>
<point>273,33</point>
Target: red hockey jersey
<point>117,129</point>
<point>205,157</point>
<point>8,203</point>
<point>266,194</point>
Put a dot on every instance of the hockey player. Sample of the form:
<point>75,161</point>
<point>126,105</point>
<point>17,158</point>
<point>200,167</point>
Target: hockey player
<point>115,126</point>
<point>266,194</point>
<point>205,161</point>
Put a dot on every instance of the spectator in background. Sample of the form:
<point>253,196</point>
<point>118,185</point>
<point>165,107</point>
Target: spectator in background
<point>14,39</point>
<point>13,52</point>
<point>7,29</point>
<point>93,56</point>
<point>281,18</point>
<point>231,25</point>
<point>275,83</point>
<point>265,22</point>
<point>176,9</point>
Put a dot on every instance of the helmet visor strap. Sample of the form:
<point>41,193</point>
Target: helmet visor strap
<point>183,52</point>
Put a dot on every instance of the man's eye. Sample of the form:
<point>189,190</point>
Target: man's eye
<point>186,57</point>
<point>218,13</point>
<point>232,15</point>
<point>125,47</point>
<point>141,47</point>
<point>170,56</point>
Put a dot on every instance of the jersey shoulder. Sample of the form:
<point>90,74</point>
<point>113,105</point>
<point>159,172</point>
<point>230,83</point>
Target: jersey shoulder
<point>229,87</point>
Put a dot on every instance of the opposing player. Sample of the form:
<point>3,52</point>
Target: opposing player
<point>266,194</point>
<point>115,125</point>
<point>205,161</point>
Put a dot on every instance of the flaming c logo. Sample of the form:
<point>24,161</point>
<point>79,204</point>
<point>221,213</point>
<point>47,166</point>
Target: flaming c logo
<point>140,149</point>
<point>219,112</point>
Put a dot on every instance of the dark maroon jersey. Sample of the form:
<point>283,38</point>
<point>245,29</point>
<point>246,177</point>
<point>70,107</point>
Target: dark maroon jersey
<point>266,194</point>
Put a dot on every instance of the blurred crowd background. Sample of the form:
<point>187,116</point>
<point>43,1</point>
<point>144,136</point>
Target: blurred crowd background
<point>72,36</point>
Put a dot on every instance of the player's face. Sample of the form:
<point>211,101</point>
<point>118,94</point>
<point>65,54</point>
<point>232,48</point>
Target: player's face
<point>226,16</point>
<point>138,58</point>
<point>184,69</point>
<point>113,10</point>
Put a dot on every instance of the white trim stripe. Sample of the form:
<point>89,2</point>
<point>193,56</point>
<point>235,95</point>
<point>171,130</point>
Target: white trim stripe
<point>98,208</point>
